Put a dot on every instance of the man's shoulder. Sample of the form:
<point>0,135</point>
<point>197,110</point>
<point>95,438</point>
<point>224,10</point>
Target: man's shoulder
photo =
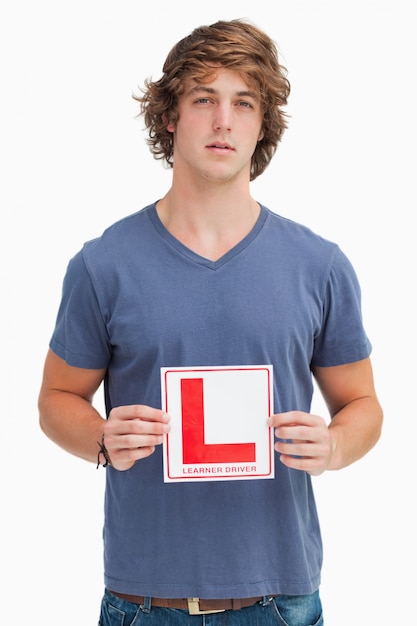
<point>295,234</point>
<point>121,241</point>
<point>128,226</point>
<point>122,232</point>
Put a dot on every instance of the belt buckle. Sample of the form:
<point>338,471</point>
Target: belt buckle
<point>194,607</point>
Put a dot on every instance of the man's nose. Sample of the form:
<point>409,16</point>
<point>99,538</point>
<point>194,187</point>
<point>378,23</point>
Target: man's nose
<point>223,118</point>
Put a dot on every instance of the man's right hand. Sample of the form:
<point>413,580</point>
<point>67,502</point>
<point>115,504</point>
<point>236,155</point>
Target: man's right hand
<point>132,432</point>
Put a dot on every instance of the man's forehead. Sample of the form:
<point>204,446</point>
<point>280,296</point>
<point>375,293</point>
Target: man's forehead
<point>211,82</point>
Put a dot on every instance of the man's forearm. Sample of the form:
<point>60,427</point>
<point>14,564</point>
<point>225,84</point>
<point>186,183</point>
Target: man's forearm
<point>72,423</point>
<point>355,430</point>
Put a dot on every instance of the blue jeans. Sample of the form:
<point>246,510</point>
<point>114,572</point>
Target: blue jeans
<point>280,611</point>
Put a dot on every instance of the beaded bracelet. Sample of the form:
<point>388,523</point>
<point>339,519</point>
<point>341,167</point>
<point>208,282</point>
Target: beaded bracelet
<point>103,451</point>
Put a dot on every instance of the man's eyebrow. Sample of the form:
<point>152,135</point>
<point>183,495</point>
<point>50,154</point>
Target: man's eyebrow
<point>201,88</point>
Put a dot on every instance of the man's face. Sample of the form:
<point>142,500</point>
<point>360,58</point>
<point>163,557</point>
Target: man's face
<point>219,125</point>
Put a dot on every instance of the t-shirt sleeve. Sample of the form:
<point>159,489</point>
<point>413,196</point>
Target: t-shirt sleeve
<point>342,338</point>
<point>80,335</point>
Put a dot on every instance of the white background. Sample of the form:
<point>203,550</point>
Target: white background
<point>74,159</point>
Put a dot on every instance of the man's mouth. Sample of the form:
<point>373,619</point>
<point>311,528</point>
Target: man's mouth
<point>220,146</point>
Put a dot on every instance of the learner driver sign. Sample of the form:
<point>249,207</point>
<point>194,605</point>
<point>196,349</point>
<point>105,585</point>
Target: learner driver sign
<point>218,423</point>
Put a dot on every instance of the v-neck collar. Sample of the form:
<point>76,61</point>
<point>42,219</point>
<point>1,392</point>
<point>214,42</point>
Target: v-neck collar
<point>192,256</point>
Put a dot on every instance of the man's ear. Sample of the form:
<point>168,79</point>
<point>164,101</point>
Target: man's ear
<point>169,125</point>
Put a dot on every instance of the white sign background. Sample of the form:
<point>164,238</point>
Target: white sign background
<point>237,402</point>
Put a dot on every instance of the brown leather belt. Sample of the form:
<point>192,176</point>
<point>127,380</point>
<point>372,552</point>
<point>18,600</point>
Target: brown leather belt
<point>195,606</point>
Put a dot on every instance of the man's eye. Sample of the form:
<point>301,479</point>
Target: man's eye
<point>243,103</point>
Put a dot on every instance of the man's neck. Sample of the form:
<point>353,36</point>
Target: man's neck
<point>211,221</point>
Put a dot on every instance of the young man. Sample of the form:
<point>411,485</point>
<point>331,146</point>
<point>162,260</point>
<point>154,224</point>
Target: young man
<point>206,279</point>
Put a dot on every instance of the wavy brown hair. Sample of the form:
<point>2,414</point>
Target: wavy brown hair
<point>236,45</point>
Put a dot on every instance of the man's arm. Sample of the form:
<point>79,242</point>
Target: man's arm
<point>357,416</point>
<point>67,416</point>
<point>356,420</point>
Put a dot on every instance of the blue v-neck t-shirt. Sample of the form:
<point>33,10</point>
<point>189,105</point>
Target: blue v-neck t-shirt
<point>136,300</point>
